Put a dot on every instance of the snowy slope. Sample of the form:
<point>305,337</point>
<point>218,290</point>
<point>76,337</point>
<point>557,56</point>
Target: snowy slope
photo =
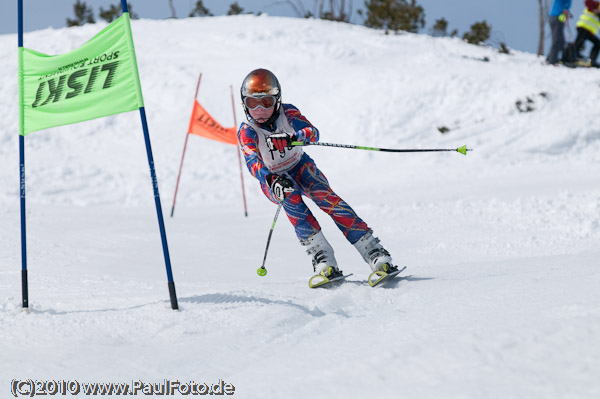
<point>502,245</point>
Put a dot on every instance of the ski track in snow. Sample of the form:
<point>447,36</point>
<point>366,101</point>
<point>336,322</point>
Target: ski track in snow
<point>502,250</point>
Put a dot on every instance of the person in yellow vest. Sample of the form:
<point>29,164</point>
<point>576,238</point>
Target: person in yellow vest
<point>587,28</point>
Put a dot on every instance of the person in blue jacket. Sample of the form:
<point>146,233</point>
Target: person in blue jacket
<point>558,16</point>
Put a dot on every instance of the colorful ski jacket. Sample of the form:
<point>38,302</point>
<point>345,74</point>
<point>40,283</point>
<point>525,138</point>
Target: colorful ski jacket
<point>589,21</point>
<point>559,6</point>
<point>260,159</point>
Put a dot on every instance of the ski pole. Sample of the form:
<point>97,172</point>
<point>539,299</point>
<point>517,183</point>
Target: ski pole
<point>463,150</point>
<point>262,271</point>
<point>568,28</point>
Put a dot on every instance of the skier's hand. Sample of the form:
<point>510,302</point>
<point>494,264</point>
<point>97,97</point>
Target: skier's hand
<point>279,141</point>
<point>279,185</point>
<point>563,17</point>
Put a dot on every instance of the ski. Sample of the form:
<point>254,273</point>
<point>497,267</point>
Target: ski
<point>326,282</point>
<point>383,277</point>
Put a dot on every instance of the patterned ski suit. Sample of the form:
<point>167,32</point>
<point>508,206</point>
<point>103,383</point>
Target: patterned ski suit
<point>301,169</point>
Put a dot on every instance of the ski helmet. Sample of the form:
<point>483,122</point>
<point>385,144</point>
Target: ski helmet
<point>259,84</point>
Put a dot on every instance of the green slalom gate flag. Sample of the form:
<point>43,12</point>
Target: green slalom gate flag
<point>98,79</point>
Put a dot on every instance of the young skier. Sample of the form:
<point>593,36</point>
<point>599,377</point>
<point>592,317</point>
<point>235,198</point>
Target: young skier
<point>286,173</point>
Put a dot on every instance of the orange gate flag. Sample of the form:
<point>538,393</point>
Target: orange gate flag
<point>204,125</point>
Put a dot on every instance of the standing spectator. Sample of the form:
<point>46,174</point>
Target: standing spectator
<point>587,28</point>
<point>558,16</point>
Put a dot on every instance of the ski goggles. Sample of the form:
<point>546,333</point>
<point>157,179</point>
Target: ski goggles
<point>263,102</point>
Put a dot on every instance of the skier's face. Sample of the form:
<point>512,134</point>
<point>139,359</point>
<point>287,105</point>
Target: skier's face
<point>260,114</point>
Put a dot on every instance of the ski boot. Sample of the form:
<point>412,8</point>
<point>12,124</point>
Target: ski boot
<point>323,260</point>
<point>376,256</point>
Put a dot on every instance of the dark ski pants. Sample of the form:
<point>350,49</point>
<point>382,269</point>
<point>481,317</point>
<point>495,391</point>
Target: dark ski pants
<point>583,35</point>
<point>558,40</point>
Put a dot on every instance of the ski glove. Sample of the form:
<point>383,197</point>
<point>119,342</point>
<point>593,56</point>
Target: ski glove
<point>279,141</point>
<point>279,185</point>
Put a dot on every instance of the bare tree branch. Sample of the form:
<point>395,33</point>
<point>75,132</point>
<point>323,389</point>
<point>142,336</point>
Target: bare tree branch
<point>297,6</point>
<point>544,9</point>
<point>172,9</point>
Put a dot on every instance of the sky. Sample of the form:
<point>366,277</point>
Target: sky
<point>501,299</point>
<point>514,22</point>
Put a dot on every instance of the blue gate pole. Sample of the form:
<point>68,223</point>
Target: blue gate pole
<point>161,222</point>
<point>24,284</point>
<point>159,212</point>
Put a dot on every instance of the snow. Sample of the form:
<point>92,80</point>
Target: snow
<point>502,245</point>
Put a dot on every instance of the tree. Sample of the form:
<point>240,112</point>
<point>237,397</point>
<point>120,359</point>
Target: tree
<point>394,15</point>
<point>114,11</point>
<point>440,28</point>
<point>235,9</point>
<point>200,10</point>
<point>339,10</point>
<point>544,8</point>
<point>479,33</point>
<point>111,13</point>
<point>83,14</point>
